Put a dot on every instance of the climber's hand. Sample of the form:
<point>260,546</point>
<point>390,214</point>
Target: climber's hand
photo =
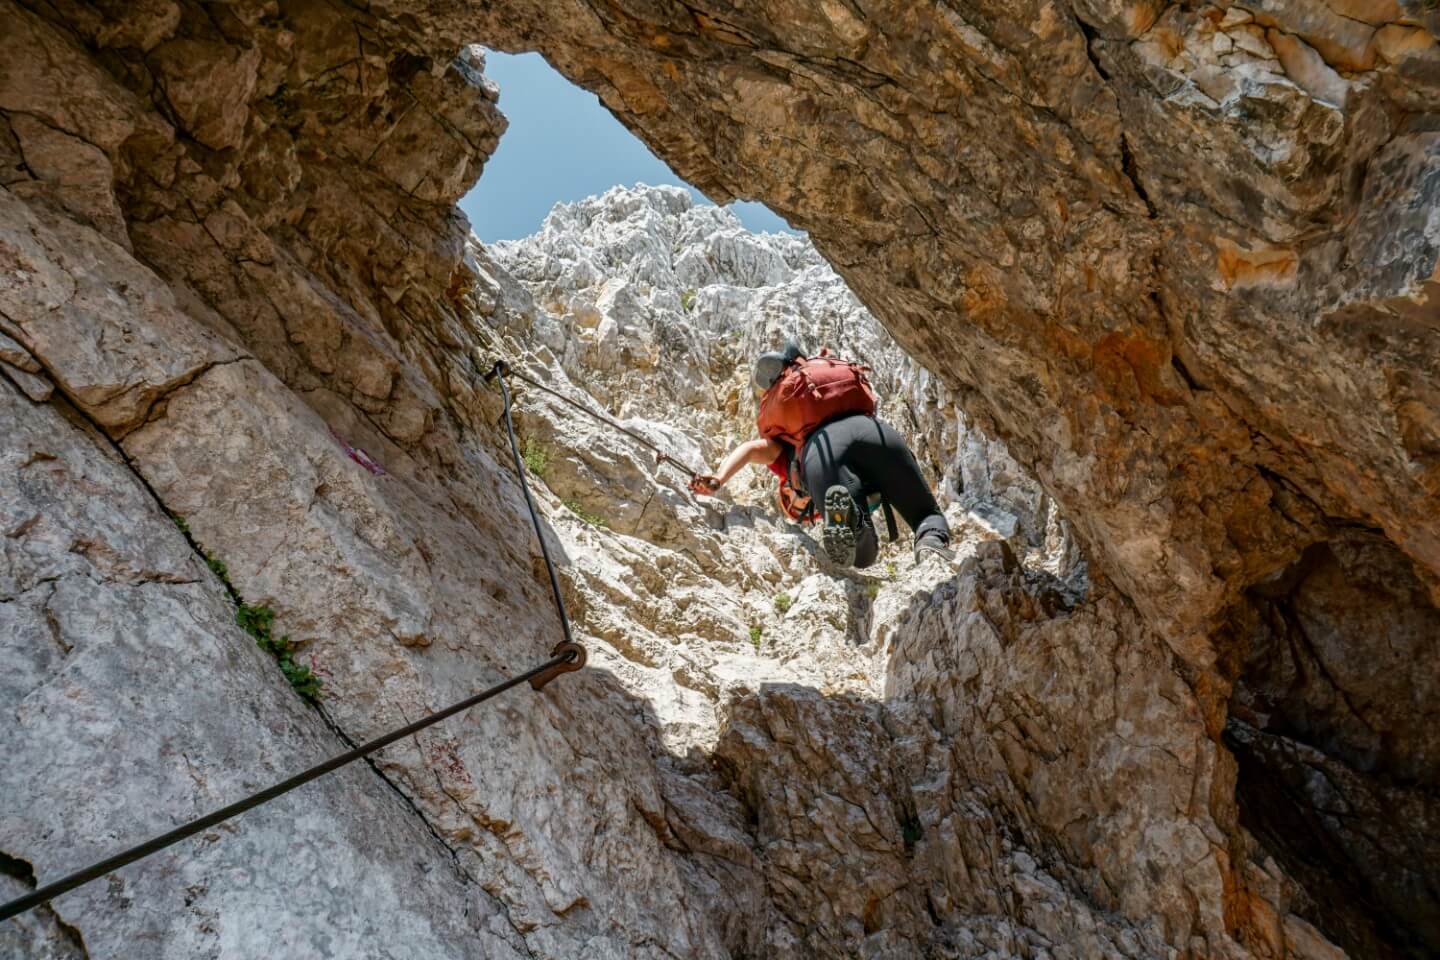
<point>705,484</point>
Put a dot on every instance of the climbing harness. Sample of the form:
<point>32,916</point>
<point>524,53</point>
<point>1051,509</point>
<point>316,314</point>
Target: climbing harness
<point>505,370</point>
<point>567,656</point>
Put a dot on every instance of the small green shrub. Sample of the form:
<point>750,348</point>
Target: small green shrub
<point>302,678</point>
<point>890,569</point>
<point>872,589</point>
<point>782,603</point>
<point>687,299</point>
<point>217,567</point>
<point>537,458</point>
<point>181,524</point>
<point>756,632</point>
<point>257,621</point>
<point>594,519</point>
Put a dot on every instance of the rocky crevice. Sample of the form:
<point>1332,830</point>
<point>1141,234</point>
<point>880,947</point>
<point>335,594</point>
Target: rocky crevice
<point>16,878</point>
<point>1320,721</point>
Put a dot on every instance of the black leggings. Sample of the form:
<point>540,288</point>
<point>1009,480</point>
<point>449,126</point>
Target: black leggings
<point>868,456</point>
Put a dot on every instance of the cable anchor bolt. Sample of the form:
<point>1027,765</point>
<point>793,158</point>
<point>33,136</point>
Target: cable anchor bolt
<point>577,660</point>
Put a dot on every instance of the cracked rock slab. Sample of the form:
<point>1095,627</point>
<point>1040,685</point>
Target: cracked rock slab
<point>120,633</point>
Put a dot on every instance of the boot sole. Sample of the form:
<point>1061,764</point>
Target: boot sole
<point>944,553</point>
<point>923,550</point>
<point>838,537</point>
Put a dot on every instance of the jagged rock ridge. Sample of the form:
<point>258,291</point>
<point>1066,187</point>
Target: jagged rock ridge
<point>1179,259</point>
<point>658,306</point>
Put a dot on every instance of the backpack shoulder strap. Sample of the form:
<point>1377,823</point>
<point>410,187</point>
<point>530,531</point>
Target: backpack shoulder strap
<point>890,530</point>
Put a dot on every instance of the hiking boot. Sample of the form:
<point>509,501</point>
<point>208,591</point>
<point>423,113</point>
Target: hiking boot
<point>842,523</point>
<point>933,544</point>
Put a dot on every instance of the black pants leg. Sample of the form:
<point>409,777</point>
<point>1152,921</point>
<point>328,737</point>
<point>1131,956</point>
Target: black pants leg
<point>868,456</point>
<point>823,466</point>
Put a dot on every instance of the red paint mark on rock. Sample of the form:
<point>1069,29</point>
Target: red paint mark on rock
<point>358,455</point>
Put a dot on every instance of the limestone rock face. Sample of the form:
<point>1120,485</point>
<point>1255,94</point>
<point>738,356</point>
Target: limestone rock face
<point>133,701</point>
<point>1176,262</point>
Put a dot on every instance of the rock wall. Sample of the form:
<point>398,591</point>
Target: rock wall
<point>1176,259</point>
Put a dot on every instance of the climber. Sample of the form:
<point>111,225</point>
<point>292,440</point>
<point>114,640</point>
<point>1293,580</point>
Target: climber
<point>824,408</point>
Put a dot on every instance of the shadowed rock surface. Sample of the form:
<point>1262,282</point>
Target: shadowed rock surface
<point>1176,261</point>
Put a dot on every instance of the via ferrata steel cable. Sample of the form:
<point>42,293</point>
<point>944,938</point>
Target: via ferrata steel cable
<point>499,372</point>
<point>660,455</point>
<point>560,661</point>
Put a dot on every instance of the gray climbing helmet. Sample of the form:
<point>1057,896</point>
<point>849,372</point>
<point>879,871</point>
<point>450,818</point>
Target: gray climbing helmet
<point>769,365</point>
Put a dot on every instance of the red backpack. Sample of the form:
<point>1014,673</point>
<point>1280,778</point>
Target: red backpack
<point>811,391</point>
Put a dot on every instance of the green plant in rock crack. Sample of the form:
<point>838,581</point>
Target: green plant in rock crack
<point>782,603</point>
<point>594,519</point>
<point>687,299</point>
<point>756,632</point>
<point>258,621</point>
<point>537,458</point>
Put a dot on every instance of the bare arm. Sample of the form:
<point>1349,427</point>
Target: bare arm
<point>760,452</point>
